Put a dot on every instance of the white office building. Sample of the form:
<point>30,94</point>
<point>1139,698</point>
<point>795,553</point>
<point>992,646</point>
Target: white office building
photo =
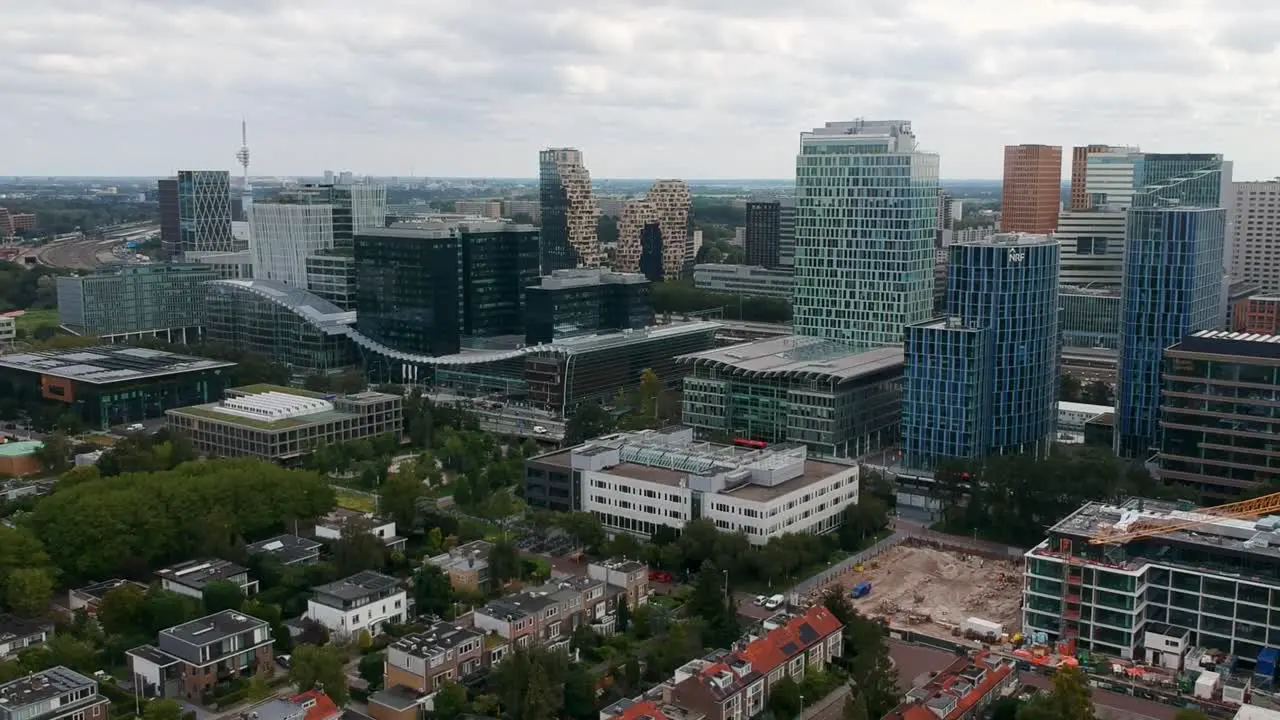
<point>638,482</point>
<point>284,235</point>
<point>745,280</point>
<point>1092,247</point>
<point>1255,233</point>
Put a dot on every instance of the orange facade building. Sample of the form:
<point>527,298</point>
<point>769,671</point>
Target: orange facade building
<point>1032,188</point>
<point>1079,169</point>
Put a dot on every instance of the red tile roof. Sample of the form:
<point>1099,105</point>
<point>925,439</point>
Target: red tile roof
<point>637,711</point>
<point>319,706</point>
<point>944,684</point>
<point>770,651</point>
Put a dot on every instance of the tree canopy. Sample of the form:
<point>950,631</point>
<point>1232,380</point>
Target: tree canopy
<point>106,527</point>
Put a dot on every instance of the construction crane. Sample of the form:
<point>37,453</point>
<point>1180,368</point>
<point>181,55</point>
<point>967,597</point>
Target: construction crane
<point>1147,527</point>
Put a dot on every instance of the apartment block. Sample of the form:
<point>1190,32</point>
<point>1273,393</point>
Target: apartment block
<point>364,602</point>
<point>735,685</point>
<point>1032,189</point>
<point>190,659</point>
<point>1258,314</point>
<point>58,693</point>
<point>1218,413</point>
<point>424,661</point>
<point>1255,233</point>
<point>190,578</point>
<point>569,211</point>
<point>653,233</point>
<point>1160,571</point>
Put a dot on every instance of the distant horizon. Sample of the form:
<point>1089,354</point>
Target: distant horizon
<point>10,179</point>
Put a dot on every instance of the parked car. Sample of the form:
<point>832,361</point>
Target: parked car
<point>761,600</point>
<point>661,576</point>
<point>774,602</point>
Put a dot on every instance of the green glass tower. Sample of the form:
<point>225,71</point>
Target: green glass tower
<point>865,221</point>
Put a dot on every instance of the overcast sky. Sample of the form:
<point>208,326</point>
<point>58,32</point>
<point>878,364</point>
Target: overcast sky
<point>646,88</point>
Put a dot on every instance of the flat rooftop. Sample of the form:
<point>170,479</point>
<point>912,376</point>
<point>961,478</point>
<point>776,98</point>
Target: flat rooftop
<point>798,357</point>
<point>439,637</point>
<point>100,589</point>
<point>41,686</point>
<point>362,584</point>
<point>198,573</point>
<point>106,364</point>
<point>19,448</point>
<point>215,627</point>
<point>285,548</point>
<point>1255,537</point>
<point>814,471</point>
<point>1229,344</point>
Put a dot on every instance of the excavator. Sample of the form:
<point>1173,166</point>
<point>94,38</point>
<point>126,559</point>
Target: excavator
<point>1146,527</point>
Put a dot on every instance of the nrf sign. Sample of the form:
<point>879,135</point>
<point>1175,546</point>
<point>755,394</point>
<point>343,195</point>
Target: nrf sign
<point>1016,256</point>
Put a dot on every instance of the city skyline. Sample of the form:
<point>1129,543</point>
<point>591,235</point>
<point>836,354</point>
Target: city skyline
<point>654,91</point>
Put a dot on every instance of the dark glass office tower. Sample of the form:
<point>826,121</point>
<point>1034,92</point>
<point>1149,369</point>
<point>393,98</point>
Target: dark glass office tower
<point>569,211</point>
<point>580,302</point>
<point>763,234</point>
<point>651,252</point>
<point>498,264</point>
<point>170,233</point>
<point>408,283</point>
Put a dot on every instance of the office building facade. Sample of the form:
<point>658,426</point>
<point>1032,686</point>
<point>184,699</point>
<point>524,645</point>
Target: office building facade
<point>984,379</point>
<point>569,211</point>
<point>498,261</point>
<point>1255,233</point>
<point>764,234</point>
<point>1032,189</point>
<point>568,303</point>
<point>653,233</point>
<point>1173,286</point>
<point>864,264</point>
<point>294,328</point>
<point>133,301</point>
<point>1079,197</point>
<point>799,390</point>
<point>195,213</point>
<point>745,280</point>
<point>1090,317</point>
<point>1153,598</point>
<point>284,235</point>
<point>1217,414</point>
<point>407,288</point>
<point>1092,247</point>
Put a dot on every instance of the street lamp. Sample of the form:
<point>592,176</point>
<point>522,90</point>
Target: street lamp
<point>801,706</point>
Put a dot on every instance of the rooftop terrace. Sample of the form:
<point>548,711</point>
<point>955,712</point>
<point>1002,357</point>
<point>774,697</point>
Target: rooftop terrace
<point>107,364</point>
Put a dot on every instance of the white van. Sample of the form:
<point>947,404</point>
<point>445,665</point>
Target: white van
<point>774,602</point>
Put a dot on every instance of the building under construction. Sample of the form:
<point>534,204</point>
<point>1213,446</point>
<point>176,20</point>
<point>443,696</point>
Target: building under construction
<point>1152,581</point>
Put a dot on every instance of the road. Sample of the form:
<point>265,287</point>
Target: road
<point>915,661</point>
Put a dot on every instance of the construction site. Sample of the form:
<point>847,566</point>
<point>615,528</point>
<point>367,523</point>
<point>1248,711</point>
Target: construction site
<point>935,591</point>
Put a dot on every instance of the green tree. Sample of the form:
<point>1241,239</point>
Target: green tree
<point>123,611</point>
<point>166,609</point>
<point>222,595</point>
<point>784,699</point>
<point>1006,708</point>
<point>871,672</point>
<point>398,497</point>
<point>583,528</point>
<point>1068,388</point>
<point>432,591</point>
<point>1067,699</point>
<point>855,709</point>
<point>55,454</point>
<point>359,550</point>
<point>712,602</point>
<point>1189,714</point>
<point>29,590</point>
<point>504,562</point>
<point>372,669</point>
<point>450,702</point>
<point>588,421</point>
<point>313,666</point>
<point>538,698</point>
<point>258,688</point>
<point>623,614</point>
<point>162,709</point>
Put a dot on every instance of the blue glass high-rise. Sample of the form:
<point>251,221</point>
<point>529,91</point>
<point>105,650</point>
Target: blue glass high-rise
<point>984,379</point>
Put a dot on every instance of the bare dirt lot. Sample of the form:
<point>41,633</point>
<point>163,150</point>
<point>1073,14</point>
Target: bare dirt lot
<point>935,590</point>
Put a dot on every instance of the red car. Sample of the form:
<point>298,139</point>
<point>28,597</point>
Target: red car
<point>661,576</point>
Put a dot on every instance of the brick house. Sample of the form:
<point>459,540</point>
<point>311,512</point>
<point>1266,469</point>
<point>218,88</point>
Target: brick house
<point>191,658</point>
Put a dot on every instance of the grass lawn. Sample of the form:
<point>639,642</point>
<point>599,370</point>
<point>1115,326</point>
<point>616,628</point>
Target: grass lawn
<point>32,319</point>
<point>352,501</point>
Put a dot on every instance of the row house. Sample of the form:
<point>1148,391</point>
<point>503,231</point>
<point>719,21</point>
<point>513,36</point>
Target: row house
<point>191,658</point>
<point>630,575</point>
<point>467,565</point>
<point>964,690</point>
<point>548,615</point>
<point>54,694</point>
<point>18,634</point>
<point>418,665</point>
<point>735,685</point>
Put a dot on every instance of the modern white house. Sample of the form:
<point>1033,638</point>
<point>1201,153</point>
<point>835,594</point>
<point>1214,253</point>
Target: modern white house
<point>365,601</point>
<point>190,578</point>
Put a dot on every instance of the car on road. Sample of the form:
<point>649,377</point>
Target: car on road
<point>283,661</point>
<point>661,576</point>
<point>774,602</point>
<point>539,430</point>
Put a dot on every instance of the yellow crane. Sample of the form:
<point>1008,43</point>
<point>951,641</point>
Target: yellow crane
<point>1146,527</point>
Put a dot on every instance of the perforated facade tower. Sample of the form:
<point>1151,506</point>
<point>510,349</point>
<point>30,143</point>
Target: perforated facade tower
<point>653,233</point>
<point>569,211</point>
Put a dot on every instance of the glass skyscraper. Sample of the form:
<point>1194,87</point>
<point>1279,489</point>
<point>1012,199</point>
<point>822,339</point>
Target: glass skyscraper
<point>1174,279</point>
<point>195,213</point>
<point>984,379</point>
<point>1173,284</point>
<point>865,221</point>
